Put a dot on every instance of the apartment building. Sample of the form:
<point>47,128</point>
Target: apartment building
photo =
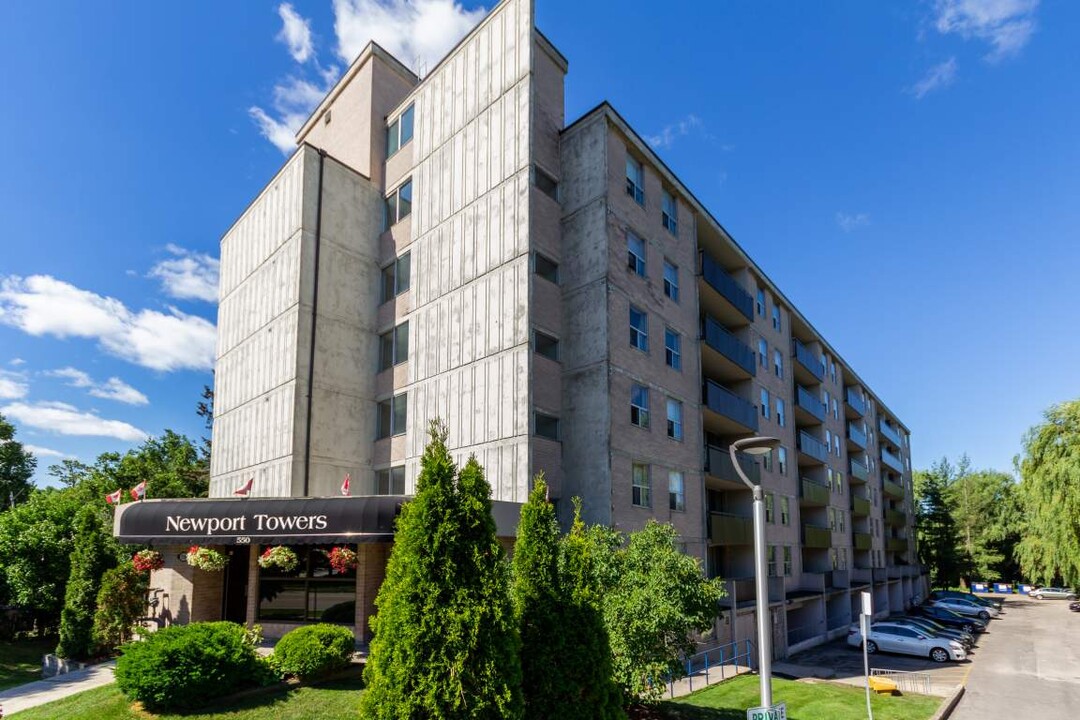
<point>449,247</point>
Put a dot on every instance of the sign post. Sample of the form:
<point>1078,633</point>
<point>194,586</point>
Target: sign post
<point>775,712</point>
<point>864,628</point>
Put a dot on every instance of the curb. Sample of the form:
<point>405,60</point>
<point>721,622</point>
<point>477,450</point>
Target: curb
<point>949,704</point>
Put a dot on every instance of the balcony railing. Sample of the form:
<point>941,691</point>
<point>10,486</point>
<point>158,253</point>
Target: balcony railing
<point>718,464</point>
<point>722,341</point>
<point>719,279</point>
<point>813,492</point>
<point>860,506</point>
<point>861,574</point>
<point>895,517</point>
<point>892,489</point>
<point>862,541</point>
<point>808,401</point>
<point>815,536</point>
<point>721,400</point>
<point>897,545</point>
<point>859,471</point>
<point>892,460</point>
<point>728,529</point>
<point>855,401</point>
<point>809,360</point>
<point>810,445</point>
<point>887,430</point>
<point>856,435</point>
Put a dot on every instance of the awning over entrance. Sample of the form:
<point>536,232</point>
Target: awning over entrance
<point>266,521</point>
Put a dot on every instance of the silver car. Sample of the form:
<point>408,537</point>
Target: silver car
<point>1053,593</point>
<point>892,637</point>
<point>967,607</point>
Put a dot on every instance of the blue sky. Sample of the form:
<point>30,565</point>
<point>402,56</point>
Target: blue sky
<point>907,172</point>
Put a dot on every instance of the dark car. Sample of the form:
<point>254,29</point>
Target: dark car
<point>1075,606</point>
<point>987,602</point>
<point>948,618</point>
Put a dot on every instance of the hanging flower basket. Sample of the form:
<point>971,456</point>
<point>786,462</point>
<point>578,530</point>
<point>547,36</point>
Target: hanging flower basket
<point>147,560</point>
<point>279,557</point>
<point>207,559</point>
<point>342,559</point>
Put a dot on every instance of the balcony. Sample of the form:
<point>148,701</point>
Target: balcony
<point>856,436</point>
<point>806,359</point>
<point>861,574</point>
<point>895,518</point>
<point>738,354</point>
<point>892,489</point>
<point>728,529</point>
<point>838,579</point>
<point>889,433</point>
<point>860,506</point>
<point>897,545</point>
<point>811,447</point>
<point>855,402</point>
<point>731,408</point>
<point>892,461</point>
<point>718,464</point>
<point>742,592</point>
<point>727,286</point>
<point>807,402</point>
<point>815,536</point>
<point>813,493</point>
<point>859,472</point>
<point>862,541</point>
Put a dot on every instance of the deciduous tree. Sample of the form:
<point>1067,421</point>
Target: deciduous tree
<point>17,465</point>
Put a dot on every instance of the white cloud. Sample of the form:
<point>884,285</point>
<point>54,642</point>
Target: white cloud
<point>188,275</point>
<point>849,222</point>
<point>417,32</point>
<point>112,389</point>
<point>64,419</point>
<point>41,452</point>
<point>666,138</point>
<point>1007,25</point>
<point>295,33</point>
<point>12,386</point>
<point>16,362</point>
<point>282,133</point>
<point>940,76</point>
<point>172,340</point>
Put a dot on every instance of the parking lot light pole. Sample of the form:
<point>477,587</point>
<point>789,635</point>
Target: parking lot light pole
<point>759,446</point>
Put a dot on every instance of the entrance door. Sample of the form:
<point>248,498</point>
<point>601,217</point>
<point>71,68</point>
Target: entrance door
<point>235,591</point>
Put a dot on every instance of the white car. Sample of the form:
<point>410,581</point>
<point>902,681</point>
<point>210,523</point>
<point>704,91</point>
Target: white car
<point>967,607</point>
<point>891,637</point>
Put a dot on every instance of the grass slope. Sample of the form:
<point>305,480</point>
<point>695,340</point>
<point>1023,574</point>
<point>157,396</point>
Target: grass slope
<point>20,660</point>
<point>805,701</point>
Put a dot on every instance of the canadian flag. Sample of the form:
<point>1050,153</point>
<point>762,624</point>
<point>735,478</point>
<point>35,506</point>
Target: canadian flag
<point>113,498</point>
<point>245,489</point>
<point>345,484</point>
<point>139,491</point>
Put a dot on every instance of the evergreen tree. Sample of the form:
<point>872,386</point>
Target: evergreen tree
<point>89,561</point>
<point>935,527</point>
<point>120,603</point>
<point>445,645</point>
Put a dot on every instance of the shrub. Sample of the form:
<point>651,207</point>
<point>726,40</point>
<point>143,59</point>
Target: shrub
<point>120,603</point>
<point>185,666</point>
<point>314,650</point>
<point>89,561</point>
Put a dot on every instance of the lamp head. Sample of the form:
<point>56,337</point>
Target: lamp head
<point>756,445</point>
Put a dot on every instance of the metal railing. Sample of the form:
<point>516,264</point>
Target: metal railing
<point>855,401</point>
<point>724,402</point>
<point>856,435</point>
<point>815,536</point>
<point>721,281</point>
<point>809,402</point>
<point>908,682</point>
<point>718,464</point>
<point>862,541</point>
<point>720,339</point>
<point>890,433</point>
<point>729,529</point>
<point>809,361</point>
<point>814,492</point>
<point>892,489</point>
<point>892,461</point>
<point>722,661</point>
<point>813,447</point>
<point>859,505</point>
<point>859,471</point>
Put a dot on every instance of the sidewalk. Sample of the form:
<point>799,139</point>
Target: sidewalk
<point>40,692</point>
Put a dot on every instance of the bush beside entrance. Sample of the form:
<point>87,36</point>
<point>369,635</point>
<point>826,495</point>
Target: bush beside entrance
<point>314,650</point>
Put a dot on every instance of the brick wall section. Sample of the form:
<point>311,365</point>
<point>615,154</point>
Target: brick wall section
<point>253,585</point>
<point>369,577</point>
<point>189,595</point>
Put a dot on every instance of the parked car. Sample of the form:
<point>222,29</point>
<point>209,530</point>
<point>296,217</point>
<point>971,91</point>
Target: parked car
<point>988,602</point>
<point>962,636</point>
<point>948,618</point>
<point>1074,606</point>
<point>892,637</point>
<point>1053,593</point>
<point>966,607</point>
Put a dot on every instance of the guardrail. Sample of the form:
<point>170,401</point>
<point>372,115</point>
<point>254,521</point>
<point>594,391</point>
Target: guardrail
<point>912,682</point>
<point>724,660</point>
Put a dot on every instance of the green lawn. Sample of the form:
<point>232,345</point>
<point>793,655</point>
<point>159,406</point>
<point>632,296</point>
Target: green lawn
<point>337,700</point>
<point>805,701</point>
<point>20,660</point>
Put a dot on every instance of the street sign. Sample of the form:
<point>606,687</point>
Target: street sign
<point>776,712</point>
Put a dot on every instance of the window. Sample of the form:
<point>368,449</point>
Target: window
<point>642,486</point>
<point>832,519</point>
<point>671,281</point>
<point>635,180</point>
<point>828,439</point>
<point>760,307</point>
<point>778,363</point>
<point>840,519</point>
<point>639,405</point>
<point>545,426</point>
<point>781,460</point>
<point>395,278</point>
<point>839,482</point>
<point>767,462</point>
<point>639,329</point>
<point>674,419</point>
<point>785,510</point>
<point>398,204</point>
<point>832,558</point>
<point>762,352</point>
<point>781,417</point>
<point>306,593</point>
<point>399,132</point>
<point>394,346</point>
<point>672,349</point>
<point>393,414</point>
<point>546,268</point>
<point>765,403</point>
<point>636,253</point>
<point>545,183</point>
<point>835,410</point>
<point>828,478</point>
<point>544,344</point>
<point>832,370</point>
<point>836,444</point>
<point>843,558</point>
<point>390,481</point>
<point>772,560</point>
<point>669,213</point>
<point>770,508</point>
<point>787,561</point>
<point>776,318</point>
<point>676,491</point>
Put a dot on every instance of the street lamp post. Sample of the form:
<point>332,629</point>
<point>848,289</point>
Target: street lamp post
<point>759,446</point>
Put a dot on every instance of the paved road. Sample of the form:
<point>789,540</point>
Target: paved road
<point>1027,665</point>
